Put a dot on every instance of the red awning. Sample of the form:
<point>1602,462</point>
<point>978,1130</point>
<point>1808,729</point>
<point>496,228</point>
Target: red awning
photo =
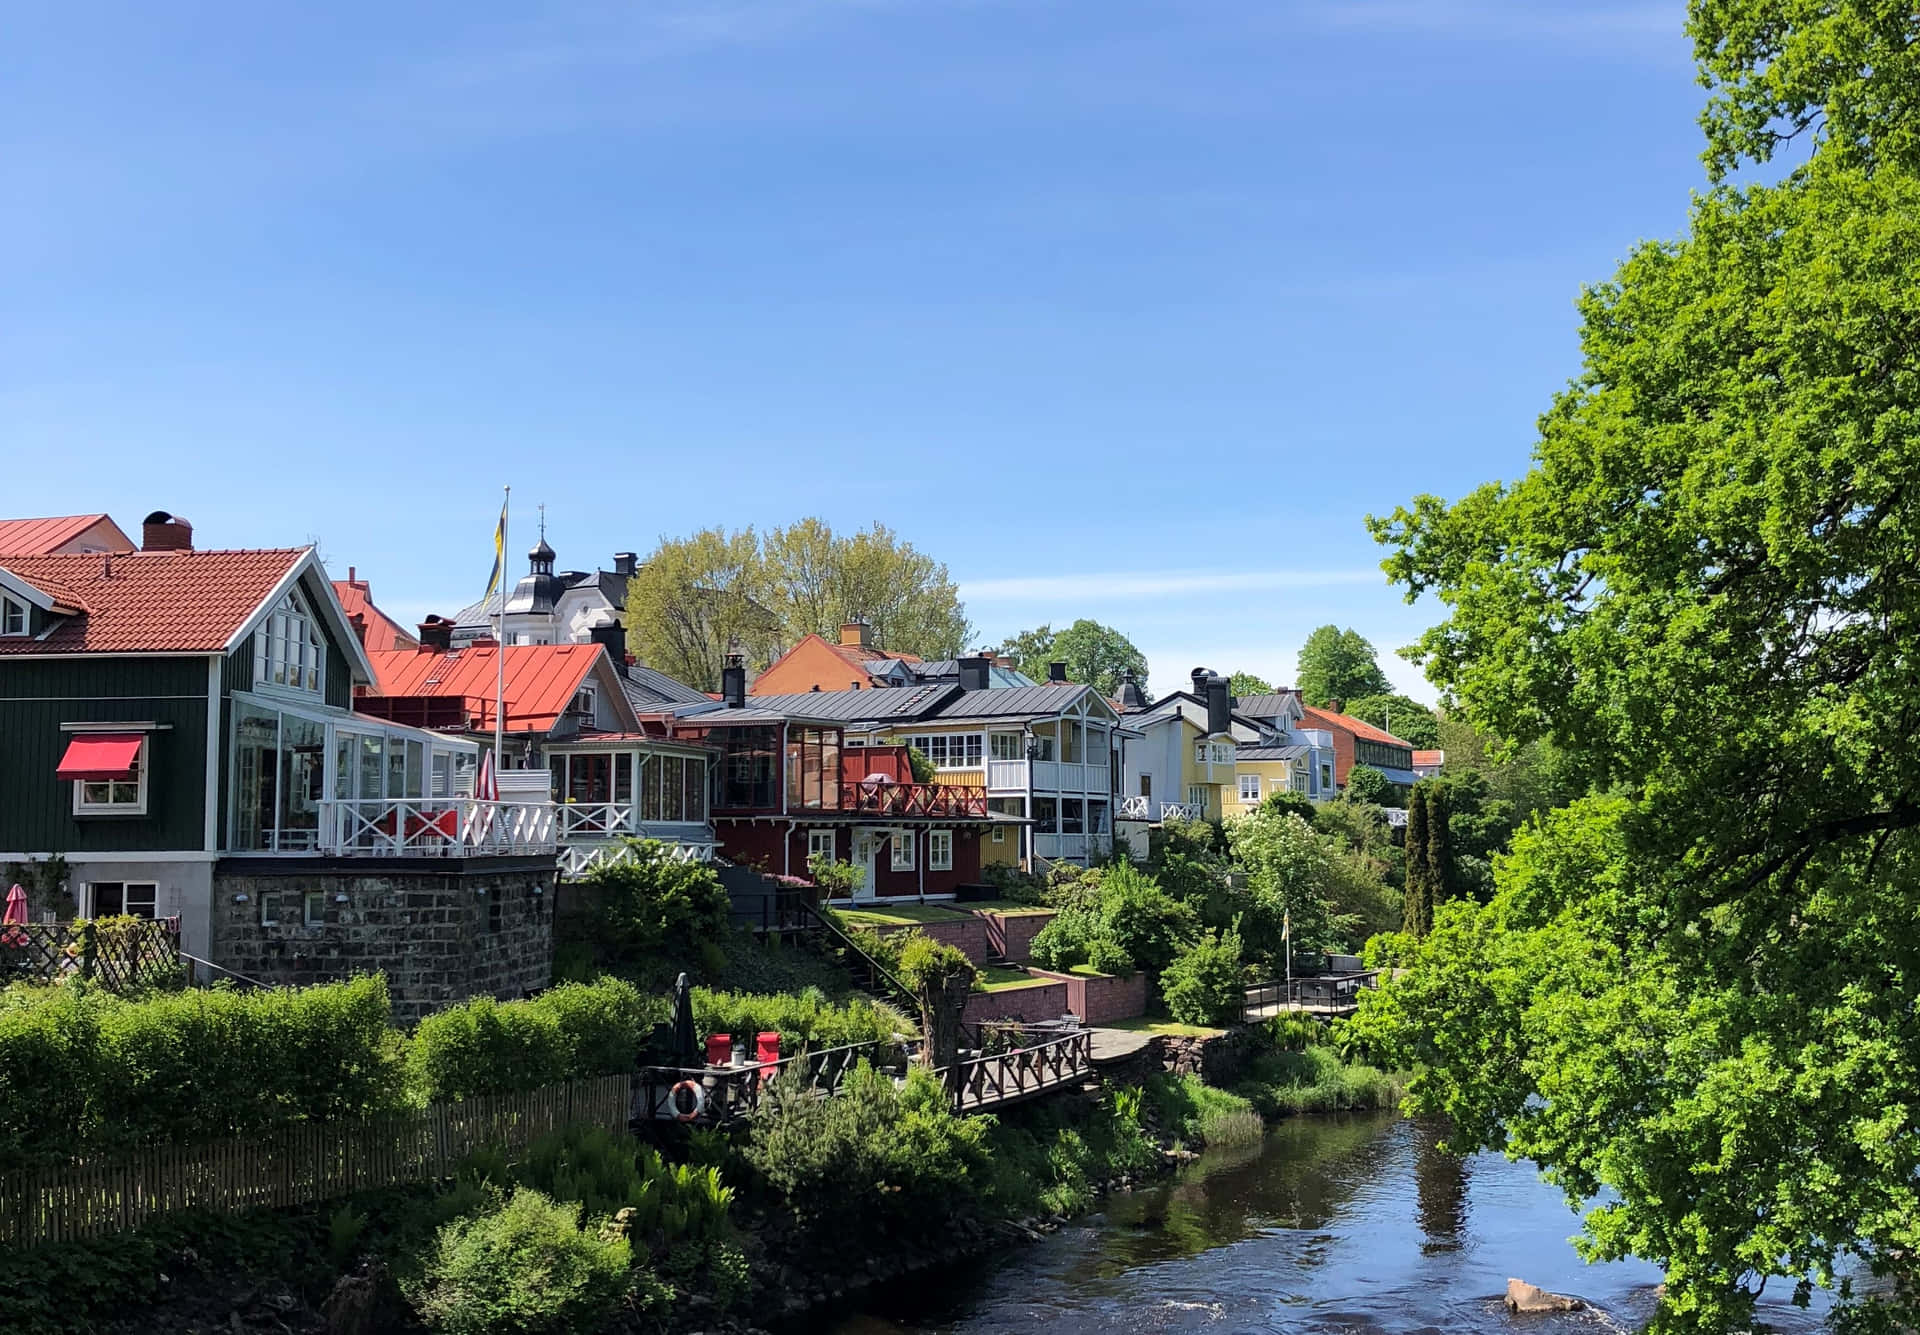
<point>100,755</point>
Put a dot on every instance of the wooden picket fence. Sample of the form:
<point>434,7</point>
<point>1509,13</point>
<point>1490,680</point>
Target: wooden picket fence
<point>295,1165</point>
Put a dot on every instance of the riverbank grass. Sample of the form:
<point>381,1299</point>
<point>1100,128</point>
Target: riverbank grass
<point>1279,1084</point>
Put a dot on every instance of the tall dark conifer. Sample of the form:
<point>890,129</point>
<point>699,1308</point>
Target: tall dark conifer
<point>1415,902</point>
<point>1439,868</point>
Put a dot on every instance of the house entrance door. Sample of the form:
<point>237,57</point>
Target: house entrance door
<point>865,856</point>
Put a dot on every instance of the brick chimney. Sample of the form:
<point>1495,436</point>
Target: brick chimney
<point>1056,672</point>
<point>358,620</point>
<point>853,634</point>
<point>162,532</point>
<point>733,682</point>
<point>613,637</point>
<point>436,635</point>
<point>624,563</point>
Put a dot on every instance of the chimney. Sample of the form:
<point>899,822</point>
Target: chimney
<point>975,674</point>
<point>853,634</point>
<point>1333,706</point>
<point>1056,672</point>
<point>1200,676</point>
<point>358,620</point>
<point>613,636</point>
<point>733,682</point>
<point>350,574</point>
<point>162,532</point>
<point>436,635</point>
<point>623,563</point>
<point>1219,707</point>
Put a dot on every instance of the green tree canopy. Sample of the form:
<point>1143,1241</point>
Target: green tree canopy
<point>1244,684</point>
<point>1094,654</point>
<point>1701,989</point>
<point>1367,784</point>
<point>1403,716</point>
<point>1843,72</point>
<point>1338,665</point>
<point>697,599</point>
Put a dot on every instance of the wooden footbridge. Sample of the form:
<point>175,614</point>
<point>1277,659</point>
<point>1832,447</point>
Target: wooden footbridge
<point>1008,1064</point>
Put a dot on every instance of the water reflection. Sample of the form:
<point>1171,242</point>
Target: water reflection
<point>1353,1225</point>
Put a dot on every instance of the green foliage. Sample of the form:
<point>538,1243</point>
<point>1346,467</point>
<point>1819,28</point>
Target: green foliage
<point>921,765</point>
<point>653,905</point>
<point>1121,912</point>
<point>526,1267</point>
<point>872,1158</point>
<point>696,599</point>
<point>1288,869</point>
<point>816,580</point>
<point>1109,957</point>
<point>1388,950</point>
<point>90,1071</point>
<point>345,1226</point>
<point>1702,992</point>
<point>1292,1033</point>
<point>1095,655</point>
<point>1338,665</point>
<point>574,1031</point>
<point>1195,1113</point>
<point>1417,913</point>
<point>1244,684</point>
<point>1315,1079</point>
<point>1206,984</point>
<point>836,879</point>
<point>1368,785</point>
<point>1285,802</point>
<point>1842,73</point>
<point>806,1017</point>
<point>1053,1156</point>
<point>607,1173</point>
<point>1403,716</point>
<point>1015,884</point>
<point>927,965</point>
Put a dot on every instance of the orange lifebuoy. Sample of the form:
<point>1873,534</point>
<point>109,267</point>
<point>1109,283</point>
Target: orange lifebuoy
<point>699,1101</point>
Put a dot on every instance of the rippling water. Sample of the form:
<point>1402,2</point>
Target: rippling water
<point>1354,1225</point>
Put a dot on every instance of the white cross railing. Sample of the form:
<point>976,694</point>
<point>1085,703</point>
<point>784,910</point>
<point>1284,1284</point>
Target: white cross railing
<point>435,827</point>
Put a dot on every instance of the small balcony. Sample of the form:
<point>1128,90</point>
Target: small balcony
<point>1071,847</point>
<point>885,798</point>
<point>434,827</point>
<point>1147,809</point>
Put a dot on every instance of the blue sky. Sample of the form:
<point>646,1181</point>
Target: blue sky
<point>1124,310</point>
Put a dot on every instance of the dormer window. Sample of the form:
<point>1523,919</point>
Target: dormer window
<point>288,650</point>
<point>13,617</point>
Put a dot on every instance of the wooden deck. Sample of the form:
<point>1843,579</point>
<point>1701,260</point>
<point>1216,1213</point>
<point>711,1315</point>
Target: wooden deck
<point>1331,997</point>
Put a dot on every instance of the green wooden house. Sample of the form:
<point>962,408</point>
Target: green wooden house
<point>178,725</point>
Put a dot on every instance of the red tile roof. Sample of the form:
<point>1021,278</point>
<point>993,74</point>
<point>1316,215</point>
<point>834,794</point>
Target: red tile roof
<point>383,632</point>
<point>1324,718</point>
<point>41,537</point>
<point>149,602</point>
<point>541,679</point>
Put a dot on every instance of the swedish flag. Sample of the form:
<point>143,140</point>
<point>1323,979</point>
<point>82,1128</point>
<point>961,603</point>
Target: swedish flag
<point>499,553</point>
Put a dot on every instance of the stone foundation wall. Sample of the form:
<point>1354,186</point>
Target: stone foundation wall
<point>1044,1002</point>
<point>441,934</point>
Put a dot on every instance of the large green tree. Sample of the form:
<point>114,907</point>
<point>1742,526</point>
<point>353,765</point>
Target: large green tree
<point>1244,684</point>
<point>1094,654</point>
<point>698,599</point>
<point>1338,665</point>
<point>817,580</point>
<point>1700,988</point>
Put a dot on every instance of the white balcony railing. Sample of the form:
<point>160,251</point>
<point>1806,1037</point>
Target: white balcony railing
<point>1145,808</point>
<point>436,827</point>
<point>576,860</point>
<point>1071,847</point>
<point>1007,774</point>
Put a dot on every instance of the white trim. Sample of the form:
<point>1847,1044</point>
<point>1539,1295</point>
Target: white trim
<point>215,753</point>
<point>359,666</point>
<point>89,909</point>
<point>117,856</point>
<point>107,725</point>
<point>894,846</point>
<point>19,588</point>
<point>934,862</point>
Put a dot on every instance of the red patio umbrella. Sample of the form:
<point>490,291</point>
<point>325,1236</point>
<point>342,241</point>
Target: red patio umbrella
<point>15,917</point>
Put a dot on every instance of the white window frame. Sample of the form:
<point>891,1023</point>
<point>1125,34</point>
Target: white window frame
<point>152,896</point>
<point>584,700</point>
<point>1247,780</point>
<point>313,908</point>
<point>942,747</point>
<point>999,834</point>
<point>14,619</point>
<point>832,851</point>
<point>939,850</point>
<point>289,643</point>
<point>1197,797</point>
<point>269,908</point>
<point>1014,744</point>
<point>137,806</point>
<point>902,842</point>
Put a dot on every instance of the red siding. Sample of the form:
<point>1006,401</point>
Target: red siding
<point>759,844</point>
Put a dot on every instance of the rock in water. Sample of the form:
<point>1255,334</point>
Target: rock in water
<point>1525,1297</point>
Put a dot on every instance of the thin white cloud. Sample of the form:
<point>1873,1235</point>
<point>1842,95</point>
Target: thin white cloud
<point>1117,584</point>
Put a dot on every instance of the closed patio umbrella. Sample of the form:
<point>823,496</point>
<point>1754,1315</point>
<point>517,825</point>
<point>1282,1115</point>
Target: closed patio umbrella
<point>14,917</point>
<point>686,1043</point>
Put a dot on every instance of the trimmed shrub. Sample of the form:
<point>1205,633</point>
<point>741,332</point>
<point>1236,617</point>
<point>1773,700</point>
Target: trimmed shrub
<point>50,1052</point>
<point>486,1047</point>
<point>652,904</point>
<point>807,1017</point>
<point>1205,985</point>
<point>526,1267</point>
<point>601,1024</point>
<point>1109,957</point>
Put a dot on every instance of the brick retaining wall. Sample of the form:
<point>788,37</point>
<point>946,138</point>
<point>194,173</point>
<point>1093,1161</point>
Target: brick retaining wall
<point>1043,1001</point>
<point>1099,1000</point>
<point>1018,931</point>
<point>968,935</point>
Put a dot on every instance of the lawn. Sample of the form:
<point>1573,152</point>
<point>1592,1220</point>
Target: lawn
<point>900,915</point>
<point>1147,1024</point>
<point>1008,908</point>
<point>997,978</point>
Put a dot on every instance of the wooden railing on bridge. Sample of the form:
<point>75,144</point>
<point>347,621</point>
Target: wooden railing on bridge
<point>1040,1061</point>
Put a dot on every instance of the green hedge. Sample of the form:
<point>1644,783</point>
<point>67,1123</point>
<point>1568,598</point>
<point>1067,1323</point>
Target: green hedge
<point>803,1017</point>
<point>491,1047</point>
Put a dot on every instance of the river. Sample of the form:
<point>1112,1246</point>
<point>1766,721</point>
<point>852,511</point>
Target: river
<point>1354,1225</point>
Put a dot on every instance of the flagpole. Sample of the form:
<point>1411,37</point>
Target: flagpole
<point>500,650</point>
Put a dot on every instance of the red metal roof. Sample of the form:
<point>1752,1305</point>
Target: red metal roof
<point>1424,759</point>
<point>541,679</point>
<point>42,537</point>
<point>149,602</point>
<point>383,632</point>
